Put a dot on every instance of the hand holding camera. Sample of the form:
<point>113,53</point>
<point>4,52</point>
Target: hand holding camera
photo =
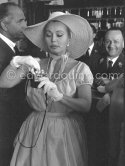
<point>50,89</point>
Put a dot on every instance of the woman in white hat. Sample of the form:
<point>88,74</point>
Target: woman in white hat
<point>54,134</point>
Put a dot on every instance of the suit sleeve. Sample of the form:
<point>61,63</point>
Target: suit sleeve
<point>115,83</point>
<point>4,60</point>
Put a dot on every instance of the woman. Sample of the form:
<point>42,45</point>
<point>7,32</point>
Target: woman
<point>54,135</point>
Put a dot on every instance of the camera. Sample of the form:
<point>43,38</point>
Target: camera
<point>35,78</point>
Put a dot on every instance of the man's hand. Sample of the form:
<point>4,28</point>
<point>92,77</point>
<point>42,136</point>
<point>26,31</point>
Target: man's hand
<point>101,81</point>
<point>101,89</point>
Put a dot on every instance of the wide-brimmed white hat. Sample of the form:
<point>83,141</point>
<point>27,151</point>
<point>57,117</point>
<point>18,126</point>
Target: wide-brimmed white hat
<point>80,28</point>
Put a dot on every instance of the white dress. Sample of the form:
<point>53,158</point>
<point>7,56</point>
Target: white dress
<point>61,139</point>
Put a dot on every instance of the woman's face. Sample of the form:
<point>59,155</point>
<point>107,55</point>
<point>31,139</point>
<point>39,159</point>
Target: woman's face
<point>56,38</point>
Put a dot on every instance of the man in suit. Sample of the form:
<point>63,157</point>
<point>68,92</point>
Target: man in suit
<point>93,53</point>
<point>110,67</point>
<point>12,23</point>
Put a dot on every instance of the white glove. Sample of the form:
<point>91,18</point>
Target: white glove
<point>50,88</point>
<point>29,61</point>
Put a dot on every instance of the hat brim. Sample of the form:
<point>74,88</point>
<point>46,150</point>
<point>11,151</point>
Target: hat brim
<point>81,34</point>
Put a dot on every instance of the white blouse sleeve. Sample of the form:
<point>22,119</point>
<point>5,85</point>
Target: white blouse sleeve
<point>83,75</point>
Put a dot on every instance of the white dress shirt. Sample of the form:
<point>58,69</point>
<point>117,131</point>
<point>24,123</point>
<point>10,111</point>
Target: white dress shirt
<point>8,42</point>
<point>90,48</point>
<point>113,60</point>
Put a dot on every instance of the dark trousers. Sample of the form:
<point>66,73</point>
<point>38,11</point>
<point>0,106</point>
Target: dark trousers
<point>122,149</point>
<point>116,117</point>
<point>12,115</point>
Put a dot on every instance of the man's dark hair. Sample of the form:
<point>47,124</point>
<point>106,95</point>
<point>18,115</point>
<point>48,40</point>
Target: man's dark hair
<point>115,29</point>
<point>4,8</point>
<point>93,28</point>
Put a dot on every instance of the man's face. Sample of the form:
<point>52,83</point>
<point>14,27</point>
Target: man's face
<point>15,24</point>
<point>114,43</point>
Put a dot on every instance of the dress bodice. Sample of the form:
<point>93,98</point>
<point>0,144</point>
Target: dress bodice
<point>67,84</point>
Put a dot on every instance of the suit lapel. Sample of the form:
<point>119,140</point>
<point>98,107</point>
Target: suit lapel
<point>103,64</point>
<point>6,54</point>
<point>6,48</point>
<point>118,65</point>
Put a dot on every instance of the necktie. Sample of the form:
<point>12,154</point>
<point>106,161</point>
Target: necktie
<point>87,53</point>
<point>17,52</point>
<point>109,69</point>
<point>109,66</point>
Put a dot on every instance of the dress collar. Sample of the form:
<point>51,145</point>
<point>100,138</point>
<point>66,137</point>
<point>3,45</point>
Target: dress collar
<point>62,58</point>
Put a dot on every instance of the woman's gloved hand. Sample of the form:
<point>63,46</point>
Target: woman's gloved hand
<point>29,61</point>
<point>50,88</point>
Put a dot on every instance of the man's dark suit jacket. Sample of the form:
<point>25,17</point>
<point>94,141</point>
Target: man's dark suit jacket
<point>117,68</point>
<point>11,107</point>
<point>108,121</point>
<point>93,59</point>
